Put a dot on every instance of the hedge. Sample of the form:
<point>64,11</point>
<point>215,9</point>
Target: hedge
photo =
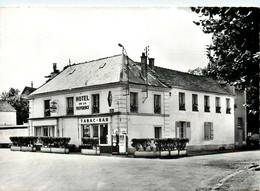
<point>90,142</point>
<point>23,140</point>
<point>60,142</point>
<point>162,144</point>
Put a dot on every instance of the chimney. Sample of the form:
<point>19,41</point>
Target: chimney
<point>55,68</point>
<point>151,63</point>
<point>31,84</point>
<point>143,65</point>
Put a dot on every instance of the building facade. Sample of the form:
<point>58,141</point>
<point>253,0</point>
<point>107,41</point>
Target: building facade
<point>117,99</point>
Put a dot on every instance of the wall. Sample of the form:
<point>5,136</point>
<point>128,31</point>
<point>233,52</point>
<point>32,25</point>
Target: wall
<point>8,118</point>
<point>223,123</point>
<point>8,131</point>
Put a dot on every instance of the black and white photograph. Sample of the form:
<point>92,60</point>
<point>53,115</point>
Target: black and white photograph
<point>129,96</point>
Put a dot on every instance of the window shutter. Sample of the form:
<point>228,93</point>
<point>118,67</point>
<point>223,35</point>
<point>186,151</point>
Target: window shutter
<point>211,131</point>
<point>206,130</point>
<point>188,131</point>
<point>177,129</point>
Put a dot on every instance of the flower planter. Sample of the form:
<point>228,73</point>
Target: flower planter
<point>174,153</point>
<point>23,148</point>
<point>54,150</point>
<point>15,148</point>
<point>146,154</point>
<point>90,151</point>
<point>182,152</point>
<point>164,153</point>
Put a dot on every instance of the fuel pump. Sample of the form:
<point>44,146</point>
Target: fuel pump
<point>122,144</point>
<point>115,145</point>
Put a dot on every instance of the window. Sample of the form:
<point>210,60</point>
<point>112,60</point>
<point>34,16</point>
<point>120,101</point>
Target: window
<point>208,131</point>
<point>195,102</point>
<point>95,103</point>
<point>98,131</point>
<point>181,101</point>
<point>206,104</point>
<point>47,131</point>
<point>157,104</point>
<point>95,130</point>
<point>47,111</point>
<point>133,102</point>
<point>70,106</point>
<point>157,132</point>
<point>218,108</point>
<point>239,122</point>
<point>37,131</point>
<point>228,109</point>
<point>85,130</point>
<point>182,129</point>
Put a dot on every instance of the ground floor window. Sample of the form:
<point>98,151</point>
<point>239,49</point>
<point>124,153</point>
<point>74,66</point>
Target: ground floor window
<point>157,132</point>
<point>47,131</point>
<point>182,129</point>
<point>208,131</point>
<point>100,131</point>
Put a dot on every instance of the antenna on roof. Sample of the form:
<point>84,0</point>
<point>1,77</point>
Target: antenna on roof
<point>69,62</point>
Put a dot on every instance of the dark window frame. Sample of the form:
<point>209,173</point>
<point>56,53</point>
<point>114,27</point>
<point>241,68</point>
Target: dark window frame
<point>47,109</point>
<point>134,102</point>
<point>182,101</point>
<point>206,104</point>
<point>95,103</point>
<point>157,104</point>
<point>70,105</point>
<point>195,106</point>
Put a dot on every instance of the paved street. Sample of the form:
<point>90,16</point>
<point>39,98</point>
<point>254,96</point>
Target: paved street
<point>42,171</point>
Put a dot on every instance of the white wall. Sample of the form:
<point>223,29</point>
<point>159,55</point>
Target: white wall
<point>5,132</point>
<point>8,118</point>
<point>223,123</point>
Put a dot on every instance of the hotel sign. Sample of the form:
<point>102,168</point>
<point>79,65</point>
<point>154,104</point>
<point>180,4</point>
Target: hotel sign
<point>94,120</point>
<point>82,102</point>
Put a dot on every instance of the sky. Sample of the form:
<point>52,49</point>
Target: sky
<point>32,38</point>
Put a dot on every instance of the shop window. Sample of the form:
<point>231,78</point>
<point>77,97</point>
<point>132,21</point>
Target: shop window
<point>95,130</point>
<point>86,130</point>
<point>47,131</point>
<point>133,102</point>
<point>157,132</point>
<point>195,102</point>
<point>182,129</point>
<point>37,131</point>
<point>218,108</point>
<point>157,104</point>
<point>103,134</point>
<point>228,109</point>
<point>206,104</point>
<point>208,131</point>
<point>47,111</point>
<point>95,103</point>
<point>70,106</point>
<point>98,131</point>
<point>182,101</point>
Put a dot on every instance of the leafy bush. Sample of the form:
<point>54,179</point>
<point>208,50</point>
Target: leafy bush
<point>162,144</point>
<point>24,140</point>
<point>181,143</point>
<point>90,142</point>
<point>60,142</point>
<point>143,143</point>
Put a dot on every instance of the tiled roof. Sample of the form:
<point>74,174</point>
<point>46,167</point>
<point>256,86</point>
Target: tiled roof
<point>6,107</point>
<point>188,81</point>
<point>114,70</point>
<point>103,71</point>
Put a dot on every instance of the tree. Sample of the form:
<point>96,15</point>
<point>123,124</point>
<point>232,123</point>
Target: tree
<point>198,71</point>
<point>19,103</point>
<point>234,52</point>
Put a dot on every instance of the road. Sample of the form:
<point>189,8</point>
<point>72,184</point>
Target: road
<point>43,171</point>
